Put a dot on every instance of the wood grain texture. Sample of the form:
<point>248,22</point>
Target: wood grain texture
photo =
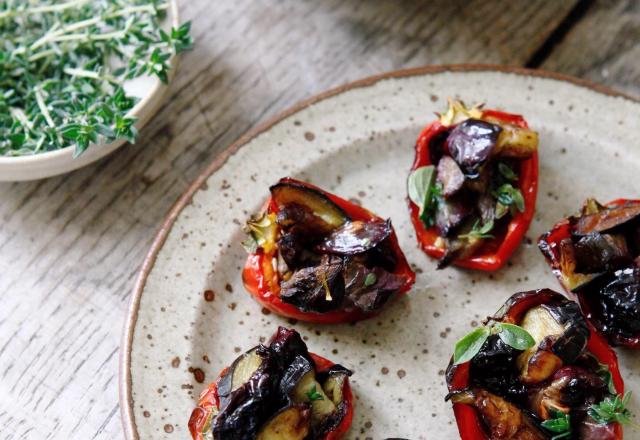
<point>70,247</point>
<point>604,46</point>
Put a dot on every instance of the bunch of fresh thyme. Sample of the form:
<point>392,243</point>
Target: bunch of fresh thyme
<point>63,63</point>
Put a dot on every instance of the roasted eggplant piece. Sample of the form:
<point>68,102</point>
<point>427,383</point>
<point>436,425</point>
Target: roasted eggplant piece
<point>560,334</point>
<point>450,176</point>
<point>317,289</point>
<point>472,186</point>
<point>311,250</point>
<point>570,389</point>
<point>291,423</point>
<point>295,193</point>
<point>369,289</point>
<point>277,391</point>
<point>502,419</point>
<point>240,372</point>
<point>534,370</point>
<point>619,302</point>
<point>607,218</point>
<point>471,143</point>
<point>595,255</point>
<point>356,237</point>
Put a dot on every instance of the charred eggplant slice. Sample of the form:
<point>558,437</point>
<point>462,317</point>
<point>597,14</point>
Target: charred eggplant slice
<point>316,257</point>
<point>293,193</point>
<point>277,391</point>
<point>290,423</point>
<point>502,419</point>
<point>535,371</point>
<point>596,256</point>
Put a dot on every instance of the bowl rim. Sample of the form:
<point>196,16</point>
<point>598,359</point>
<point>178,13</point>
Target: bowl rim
<point>124,374</point>
<point>135,111</point>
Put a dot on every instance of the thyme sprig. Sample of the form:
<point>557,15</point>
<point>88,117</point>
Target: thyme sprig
<point>63,64</point>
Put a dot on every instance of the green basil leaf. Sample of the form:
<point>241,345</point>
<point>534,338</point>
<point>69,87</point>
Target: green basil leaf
<point>419,183</point>
<point>515,336</point>
<point>467,347</point>
<point>518,200</point>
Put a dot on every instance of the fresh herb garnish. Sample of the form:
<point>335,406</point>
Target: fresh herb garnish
<point>370,279</point>
<point>560,425</point>
<point>612,410</point>
<point>424,192</point>
<point>509,197</point>
<point>506,171</point>
<point>607,377</point>
<point>62,66</point>
<point>479,231</point>
<point>314,395</point>
<point>511,334</point>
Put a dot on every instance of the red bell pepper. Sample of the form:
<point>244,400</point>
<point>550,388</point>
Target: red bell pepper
<point>549,244</point>
<point>468,420</point>
<point>209,399</point>
<point>261,280</point>
<point>494,252</point>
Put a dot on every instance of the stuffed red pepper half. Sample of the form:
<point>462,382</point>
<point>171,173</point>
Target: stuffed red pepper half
<point>596,257</point>
<point>278,391</point>
<point>473,185</point>
<point>316,257</point>
<point>536,371</point>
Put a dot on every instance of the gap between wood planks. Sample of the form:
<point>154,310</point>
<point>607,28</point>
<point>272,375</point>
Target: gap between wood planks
<point>572,18</point>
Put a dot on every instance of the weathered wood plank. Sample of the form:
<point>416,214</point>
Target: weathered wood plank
<point>604,46</point>
<point>70,246</point>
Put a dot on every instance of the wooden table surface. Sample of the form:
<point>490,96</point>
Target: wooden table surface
<point>71,246</point>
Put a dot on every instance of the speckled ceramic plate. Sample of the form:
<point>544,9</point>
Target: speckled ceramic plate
<point>357,141</point>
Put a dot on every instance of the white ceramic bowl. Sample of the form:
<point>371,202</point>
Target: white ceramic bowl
<point>151,92</point>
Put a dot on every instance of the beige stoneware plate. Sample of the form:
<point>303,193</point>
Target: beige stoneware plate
<point>149,90</point>
<point>357,141</point>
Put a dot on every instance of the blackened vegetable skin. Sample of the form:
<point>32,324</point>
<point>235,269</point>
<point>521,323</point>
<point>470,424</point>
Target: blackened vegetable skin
<point>619,304</point>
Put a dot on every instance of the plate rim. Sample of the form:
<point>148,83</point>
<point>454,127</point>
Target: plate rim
<point>125,399</point>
